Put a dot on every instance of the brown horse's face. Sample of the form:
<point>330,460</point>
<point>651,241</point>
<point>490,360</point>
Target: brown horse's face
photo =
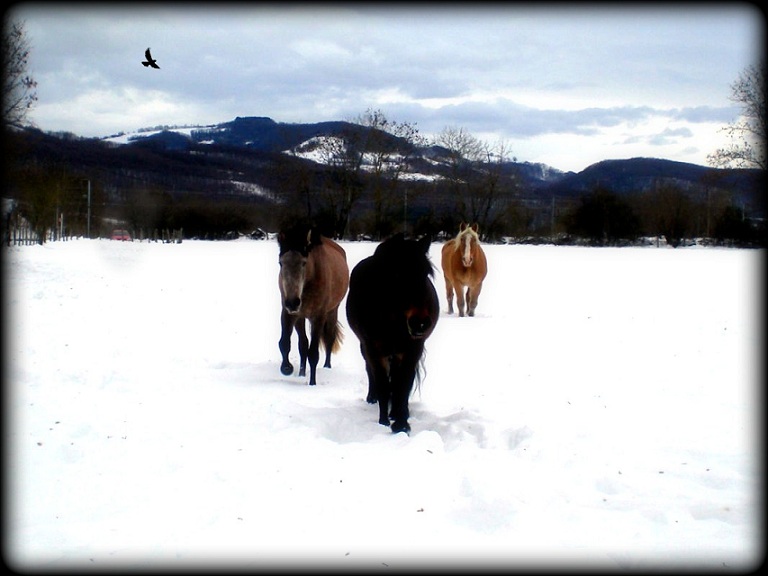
<point>293,275</point>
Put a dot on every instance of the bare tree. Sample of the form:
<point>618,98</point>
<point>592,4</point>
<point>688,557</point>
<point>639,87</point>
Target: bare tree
<point>370,155</point>
<point>488,199</point>
<point>389,149</point>
<point>340,186</point>
<point>463,150</point>
<point>19,94</point>
<point>747,149</point>
<point>476,175</point>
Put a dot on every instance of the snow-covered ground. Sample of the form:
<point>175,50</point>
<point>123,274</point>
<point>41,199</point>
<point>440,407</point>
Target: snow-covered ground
<point>602,410</point>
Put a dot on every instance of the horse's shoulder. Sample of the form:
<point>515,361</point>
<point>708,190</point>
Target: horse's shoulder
<point>332,246</point>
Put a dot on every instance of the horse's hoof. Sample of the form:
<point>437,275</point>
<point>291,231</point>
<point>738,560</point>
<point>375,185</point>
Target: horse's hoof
<point>302,372</point>
<point>371,399</point>
<point>400,427</point>
<point>286,369</point>
<point>384,421</point>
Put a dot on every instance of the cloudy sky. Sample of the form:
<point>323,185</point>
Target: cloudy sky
<point>560,85</point>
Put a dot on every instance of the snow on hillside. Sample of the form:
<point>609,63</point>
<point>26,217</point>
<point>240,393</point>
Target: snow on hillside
<point>312,149</point>
<point>128,137</point>
<point>317,150</point>
<point>602,410</point>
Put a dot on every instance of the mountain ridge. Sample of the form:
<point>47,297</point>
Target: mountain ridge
<point>620,175</point>
<point>264,165</point>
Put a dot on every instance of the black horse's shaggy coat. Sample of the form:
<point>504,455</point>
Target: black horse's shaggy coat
<point>392,307</point>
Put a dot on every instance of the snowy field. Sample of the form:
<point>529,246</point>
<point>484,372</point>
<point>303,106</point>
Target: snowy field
<point>601,411</point>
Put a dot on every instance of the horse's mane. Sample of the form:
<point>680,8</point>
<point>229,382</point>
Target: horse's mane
<point>468,230</point>
<point>410,254</point>
<point>301,237</point>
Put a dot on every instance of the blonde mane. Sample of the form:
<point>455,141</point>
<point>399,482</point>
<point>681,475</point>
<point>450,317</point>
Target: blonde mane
<point>467,231</point>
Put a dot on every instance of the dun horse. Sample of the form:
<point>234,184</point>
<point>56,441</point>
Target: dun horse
<point>393,308</point>
<point>464,266</point>
<point>313,280</point>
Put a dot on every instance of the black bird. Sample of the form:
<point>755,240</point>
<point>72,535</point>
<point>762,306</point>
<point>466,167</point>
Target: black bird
<point>150,61</point>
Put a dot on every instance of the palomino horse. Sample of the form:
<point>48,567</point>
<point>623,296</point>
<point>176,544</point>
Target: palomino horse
<point>313,280</point>
<point>464,265</point>
<point>392,307</point>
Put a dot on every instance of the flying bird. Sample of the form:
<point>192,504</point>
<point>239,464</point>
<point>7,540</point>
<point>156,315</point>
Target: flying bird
<point>150,61</point>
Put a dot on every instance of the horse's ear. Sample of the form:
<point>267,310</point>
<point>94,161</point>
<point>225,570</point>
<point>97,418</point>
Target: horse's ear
<point>462,226</point>
<point>313,238</point>
<point>475,227</point>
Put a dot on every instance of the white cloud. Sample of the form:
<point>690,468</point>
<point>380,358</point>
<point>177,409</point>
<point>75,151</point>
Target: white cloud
<point>516,72</point>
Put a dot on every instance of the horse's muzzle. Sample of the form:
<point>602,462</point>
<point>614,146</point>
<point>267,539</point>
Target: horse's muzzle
<point>419,326</point>
<point>292,305</point>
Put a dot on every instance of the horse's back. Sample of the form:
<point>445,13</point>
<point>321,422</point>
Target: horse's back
<point>365,288</point>
<point>336,246</point>
<point>332,262</point>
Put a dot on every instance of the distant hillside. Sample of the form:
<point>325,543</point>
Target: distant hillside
<point>272,165</point>
<point>642,174</point>
<point>620,176</point>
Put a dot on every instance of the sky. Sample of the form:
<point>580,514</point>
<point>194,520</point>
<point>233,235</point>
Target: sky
<point>566,85</point>
<point>614,425</point>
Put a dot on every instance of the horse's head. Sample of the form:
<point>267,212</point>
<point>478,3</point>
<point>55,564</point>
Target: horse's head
<point>467,242</point>
<point>295,246</point>
<point>409,282</point>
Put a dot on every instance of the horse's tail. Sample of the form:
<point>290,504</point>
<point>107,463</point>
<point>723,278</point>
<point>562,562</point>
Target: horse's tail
<point>333,336</point>
<point>421,373</point>
<point>338,337</point>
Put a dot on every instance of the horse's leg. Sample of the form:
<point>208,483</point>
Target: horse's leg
<point>460,301</point>
<point>472,296</point>
<point>301,330</point>
<point>379,387</point>
<point>287,322</point>
<point>371,398</point>
<point>383,389</point>
<point>313,353</point>
<point>449,294</point>
<point>402,375</point>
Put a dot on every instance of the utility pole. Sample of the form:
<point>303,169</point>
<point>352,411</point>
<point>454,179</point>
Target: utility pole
<point>552,219</point>
<point>88,225</point>
<point>405,209</point>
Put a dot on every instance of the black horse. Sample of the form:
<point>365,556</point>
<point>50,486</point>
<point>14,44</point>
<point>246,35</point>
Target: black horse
<point>392,308</point>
